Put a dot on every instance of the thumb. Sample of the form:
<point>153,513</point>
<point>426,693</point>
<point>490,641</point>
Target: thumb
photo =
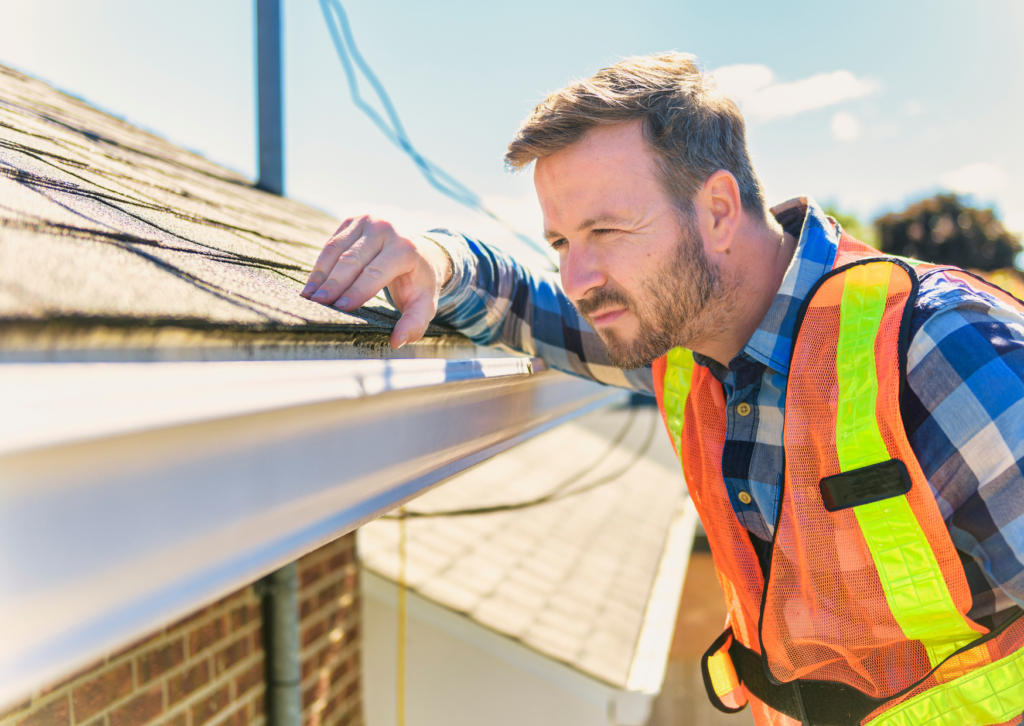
<point>414,321</point>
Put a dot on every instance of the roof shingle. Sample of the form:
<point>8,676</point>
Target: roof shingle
<point>102,223</point>
<point>570,578</point>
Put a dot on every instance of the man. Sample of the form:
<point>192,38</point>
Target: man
<point>849,425</point>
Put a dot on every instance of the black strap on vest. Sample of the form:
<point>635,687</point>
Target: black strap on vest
<point>815,703</point>
<point>821,703</point>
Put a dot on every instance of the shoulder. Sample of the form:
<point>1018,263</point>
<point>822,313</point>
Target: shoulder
<point>966,352</point>
<point>963,408</point>
<point>952,315</point>
<point>965,371</point>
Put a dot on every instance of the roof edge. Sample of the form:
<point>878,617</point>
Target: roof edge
<point>650,657</point>
<point>94,340</point>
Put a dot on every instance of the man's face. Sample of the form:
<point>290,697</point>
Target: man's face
<point>632,263</point>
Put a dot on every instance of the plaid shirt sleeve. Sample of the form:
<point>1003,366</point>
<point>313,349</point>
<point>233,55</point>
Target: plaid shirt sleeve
<point>495,301</point>
<point>964,414</point>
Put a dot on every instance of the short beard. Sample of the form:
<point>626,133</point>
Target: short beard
<point>678,306</point>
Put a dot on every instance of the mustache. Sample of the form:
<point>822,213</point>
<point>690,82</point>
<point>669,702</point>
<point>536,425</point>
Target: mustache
<point>603,298</point>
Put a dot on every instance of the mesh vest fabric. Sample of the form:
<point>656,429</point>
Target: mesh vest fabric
<point>872,596</point>
<point>698,417</point>
<point>827,614</point>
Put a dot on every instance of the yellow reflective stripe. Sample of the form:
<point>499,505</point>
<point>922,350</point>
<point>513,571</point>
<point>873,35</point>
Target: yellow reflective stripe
<point>912,580</point>
<point>992,694</point>
<point>723,673</point>
<point>678,373</point>
<point>858,440</point>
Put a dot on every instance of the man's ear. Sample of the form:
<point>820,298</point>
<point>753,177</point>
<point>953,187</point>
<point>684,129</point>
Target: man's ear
<point>723,209</point>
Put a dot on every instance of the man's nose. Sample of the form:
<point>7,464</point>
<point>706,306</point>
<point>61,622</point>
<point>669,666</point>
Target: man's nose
<point>581,272</point>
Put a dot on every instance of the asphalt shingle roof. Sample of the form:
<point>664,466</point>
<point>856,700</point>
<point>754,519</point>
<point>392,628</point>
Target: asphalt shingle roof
<point>103,223</point>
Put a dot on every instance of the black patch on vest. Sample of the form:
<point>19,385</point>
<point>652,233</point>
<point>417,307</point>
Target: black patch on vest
<point>865,485</point>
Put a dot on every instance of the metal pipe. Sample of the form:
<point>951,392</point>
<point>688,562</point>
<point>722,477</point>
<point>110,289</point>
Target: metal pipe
<point>280,603</point>
<point>269,97</point>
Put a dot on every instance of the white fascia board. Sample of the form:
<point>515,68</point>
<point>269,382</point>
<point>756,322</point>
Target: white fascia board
<point>586,688</point>
<point>650,658</point>
<point>625,707</point>
<point>132,494</point>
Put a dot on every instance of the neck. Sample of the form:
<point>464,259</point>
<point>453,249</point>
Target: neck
<point>752,271</point>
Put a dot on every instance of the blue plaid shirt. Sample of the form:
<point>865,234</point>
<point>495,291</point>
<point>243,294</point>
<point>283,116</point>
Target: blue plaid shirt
<point>963,408</point>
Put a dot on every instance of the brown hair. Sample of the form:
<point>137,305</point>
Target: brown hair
<point>693,130</point>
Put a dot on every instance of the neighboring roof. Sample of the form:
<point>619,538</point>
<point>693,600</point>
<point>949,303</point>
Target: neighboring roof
<point>103,224</point>
<point>572,579</point>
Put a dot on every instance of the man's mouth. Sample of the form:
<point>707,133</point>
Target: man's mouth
<point>607,317</point>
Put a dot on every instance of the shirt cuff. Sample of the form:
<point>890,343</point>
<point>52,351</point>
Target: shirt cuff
<point>464,267</point>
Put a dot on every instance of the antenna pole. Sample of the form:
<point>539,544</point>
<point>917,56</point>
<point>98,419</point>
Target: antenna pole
<point>269,97</point>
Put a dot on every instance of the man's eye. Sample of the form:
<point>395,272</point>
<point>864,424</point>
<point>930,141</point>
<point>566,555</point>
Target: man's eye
<point>555,244</point>
<point>604,231</point>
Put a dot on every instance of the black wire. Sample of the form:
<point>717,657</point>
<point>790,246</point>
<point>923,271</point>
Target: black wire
<point>351,61</point>
<point>609,449</point>
<point>559,492</point>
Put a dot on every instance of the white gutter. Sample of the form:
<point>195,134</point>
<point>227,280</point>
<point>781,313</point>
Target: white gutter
<point>132,494</point>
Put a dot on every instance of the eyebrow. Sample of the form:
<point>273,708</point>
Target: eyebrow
<point>587,224</point>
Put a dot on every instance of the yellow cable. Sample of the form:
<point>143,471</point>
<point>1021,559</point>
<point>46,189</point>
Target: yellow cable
<point>402,618</point>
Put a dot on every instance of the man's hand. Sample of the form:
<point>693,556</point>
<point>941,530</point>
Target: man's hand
<point>366,255</point>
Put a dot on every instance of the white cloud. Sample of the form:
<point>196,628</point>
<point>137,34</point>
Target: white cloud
<point>975,179</point>
<point>913,108</point>
<point>789,99</point>
<point>761,99</point>
<point>740,80</point>
<point>845,126</point>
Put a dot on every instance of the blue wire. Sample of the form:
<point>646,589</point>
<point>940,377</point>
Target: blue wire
<point>385,100</point>
<point>395,132</point>
<point>334,15</point>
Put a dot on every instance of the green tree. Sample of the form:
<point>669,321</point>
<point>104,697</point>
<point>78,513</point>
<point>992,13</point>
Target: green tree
<point>944,230</point>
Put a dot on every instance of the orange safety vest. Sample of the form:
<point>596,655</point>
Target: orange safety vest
<point>862,616</point>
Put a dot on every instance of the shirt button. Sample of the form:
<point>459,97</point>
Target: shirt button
<point>744,497</point>
<point>743,409</point>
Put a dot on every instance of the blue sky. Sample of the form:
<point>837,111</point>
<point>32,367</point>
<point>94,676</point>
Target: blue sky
<point>866,105</point>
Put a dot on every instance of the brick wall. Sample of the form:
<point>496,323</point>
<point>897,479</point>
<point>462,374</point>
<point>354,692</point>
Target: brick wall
<point>329,625</point>
<point>208,670</point>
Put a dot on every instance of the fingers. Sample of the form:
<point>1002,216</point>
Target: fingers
<point>351,263</point>
<point>392,261</point>
<point>366,255</point>
<point>415,319</point>
<point>348,233</point>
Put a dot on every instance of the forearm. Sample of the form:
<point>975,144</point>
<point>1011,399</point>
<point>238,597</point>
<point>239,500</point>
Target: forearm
<point>493,300</point>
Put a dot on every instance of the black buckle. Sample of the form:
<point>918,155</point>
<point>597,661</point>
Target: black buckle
<point>865,485</point>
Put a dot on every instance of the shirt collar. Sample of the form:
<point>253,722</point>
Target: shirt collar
<point>817,244</point>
